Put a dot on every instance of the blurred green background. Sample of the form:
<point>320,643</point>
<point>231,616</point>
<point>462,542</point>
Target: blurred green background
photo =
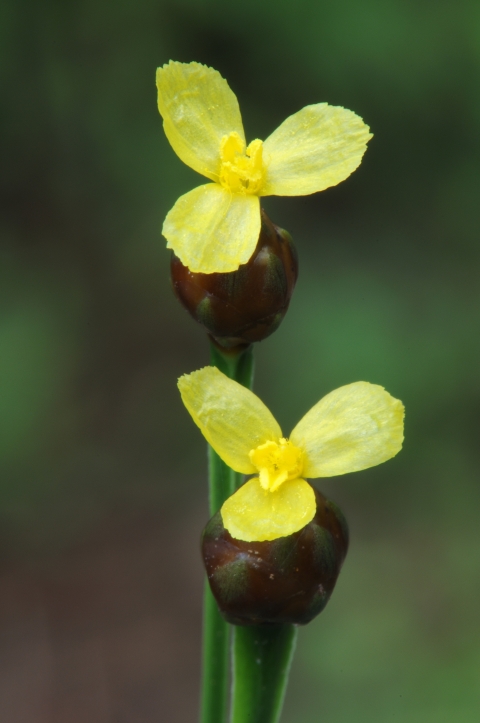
<point>102,483</point>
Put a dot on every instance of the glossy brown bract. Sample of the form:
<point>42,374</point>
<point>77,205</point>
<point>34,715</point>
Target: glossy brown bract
<point>246,305</point>
<point>288,580</point>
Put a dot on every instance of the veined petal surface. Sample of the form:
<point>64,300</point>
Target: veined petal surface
<point>231,418</point>
<point>213,230</point>
<point>253,513</point>
<point>198,108</point>
<point>313,149</point>
<point>352,428</point>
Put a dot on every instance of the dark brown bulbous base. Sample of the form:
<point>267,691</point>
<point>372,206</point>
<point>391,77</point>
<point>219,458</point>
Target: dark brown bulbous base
<point>246,305</point>
<point>288,580</point>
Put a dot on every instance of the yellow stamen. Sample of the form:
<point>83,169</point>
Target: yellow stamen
<point>242,169</point>
<point>277,462</point>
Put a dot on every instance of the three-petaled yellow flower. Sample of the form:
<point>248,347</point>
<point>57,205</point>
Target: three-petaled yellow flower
<point>215,227</point>
<point>354,427</point>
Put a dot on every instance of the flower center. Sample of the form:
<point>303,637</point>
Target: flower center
<point>242,169</point>
<point>277,462</point>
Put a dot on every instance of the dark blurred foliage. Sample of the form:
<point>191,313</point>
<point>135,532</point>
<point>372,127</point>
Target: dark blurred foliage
<point>102,484</point>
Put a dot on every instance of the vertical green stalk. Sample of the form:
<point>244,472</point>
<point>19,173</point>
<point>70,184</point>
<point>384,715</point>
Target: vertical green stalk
<point>216,632</point>
<point>216,659</point>
<point>262,656</point>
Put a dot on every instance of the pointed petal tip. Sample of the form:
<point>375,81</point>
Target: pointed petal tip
<point>199,375</point>
<point>174,65</point>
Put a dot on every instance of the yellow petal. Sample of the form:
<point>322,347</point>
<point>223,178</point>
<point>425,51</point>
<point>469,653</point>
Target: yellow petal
<point>212,230</point>
<point>231,418</point>
<point>313,149</point>
<point>354,427</point>
<point>198,109</point>
<point>255,514</point>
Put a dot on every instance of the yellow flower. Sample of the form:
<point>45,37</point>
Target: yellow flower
<point>215,227</point>
<point>354,427</point>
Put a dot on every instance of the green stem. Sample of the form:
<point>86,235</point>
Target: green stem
<point>216,659</point>
<point>262,656</point>
<point>223,482</point>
